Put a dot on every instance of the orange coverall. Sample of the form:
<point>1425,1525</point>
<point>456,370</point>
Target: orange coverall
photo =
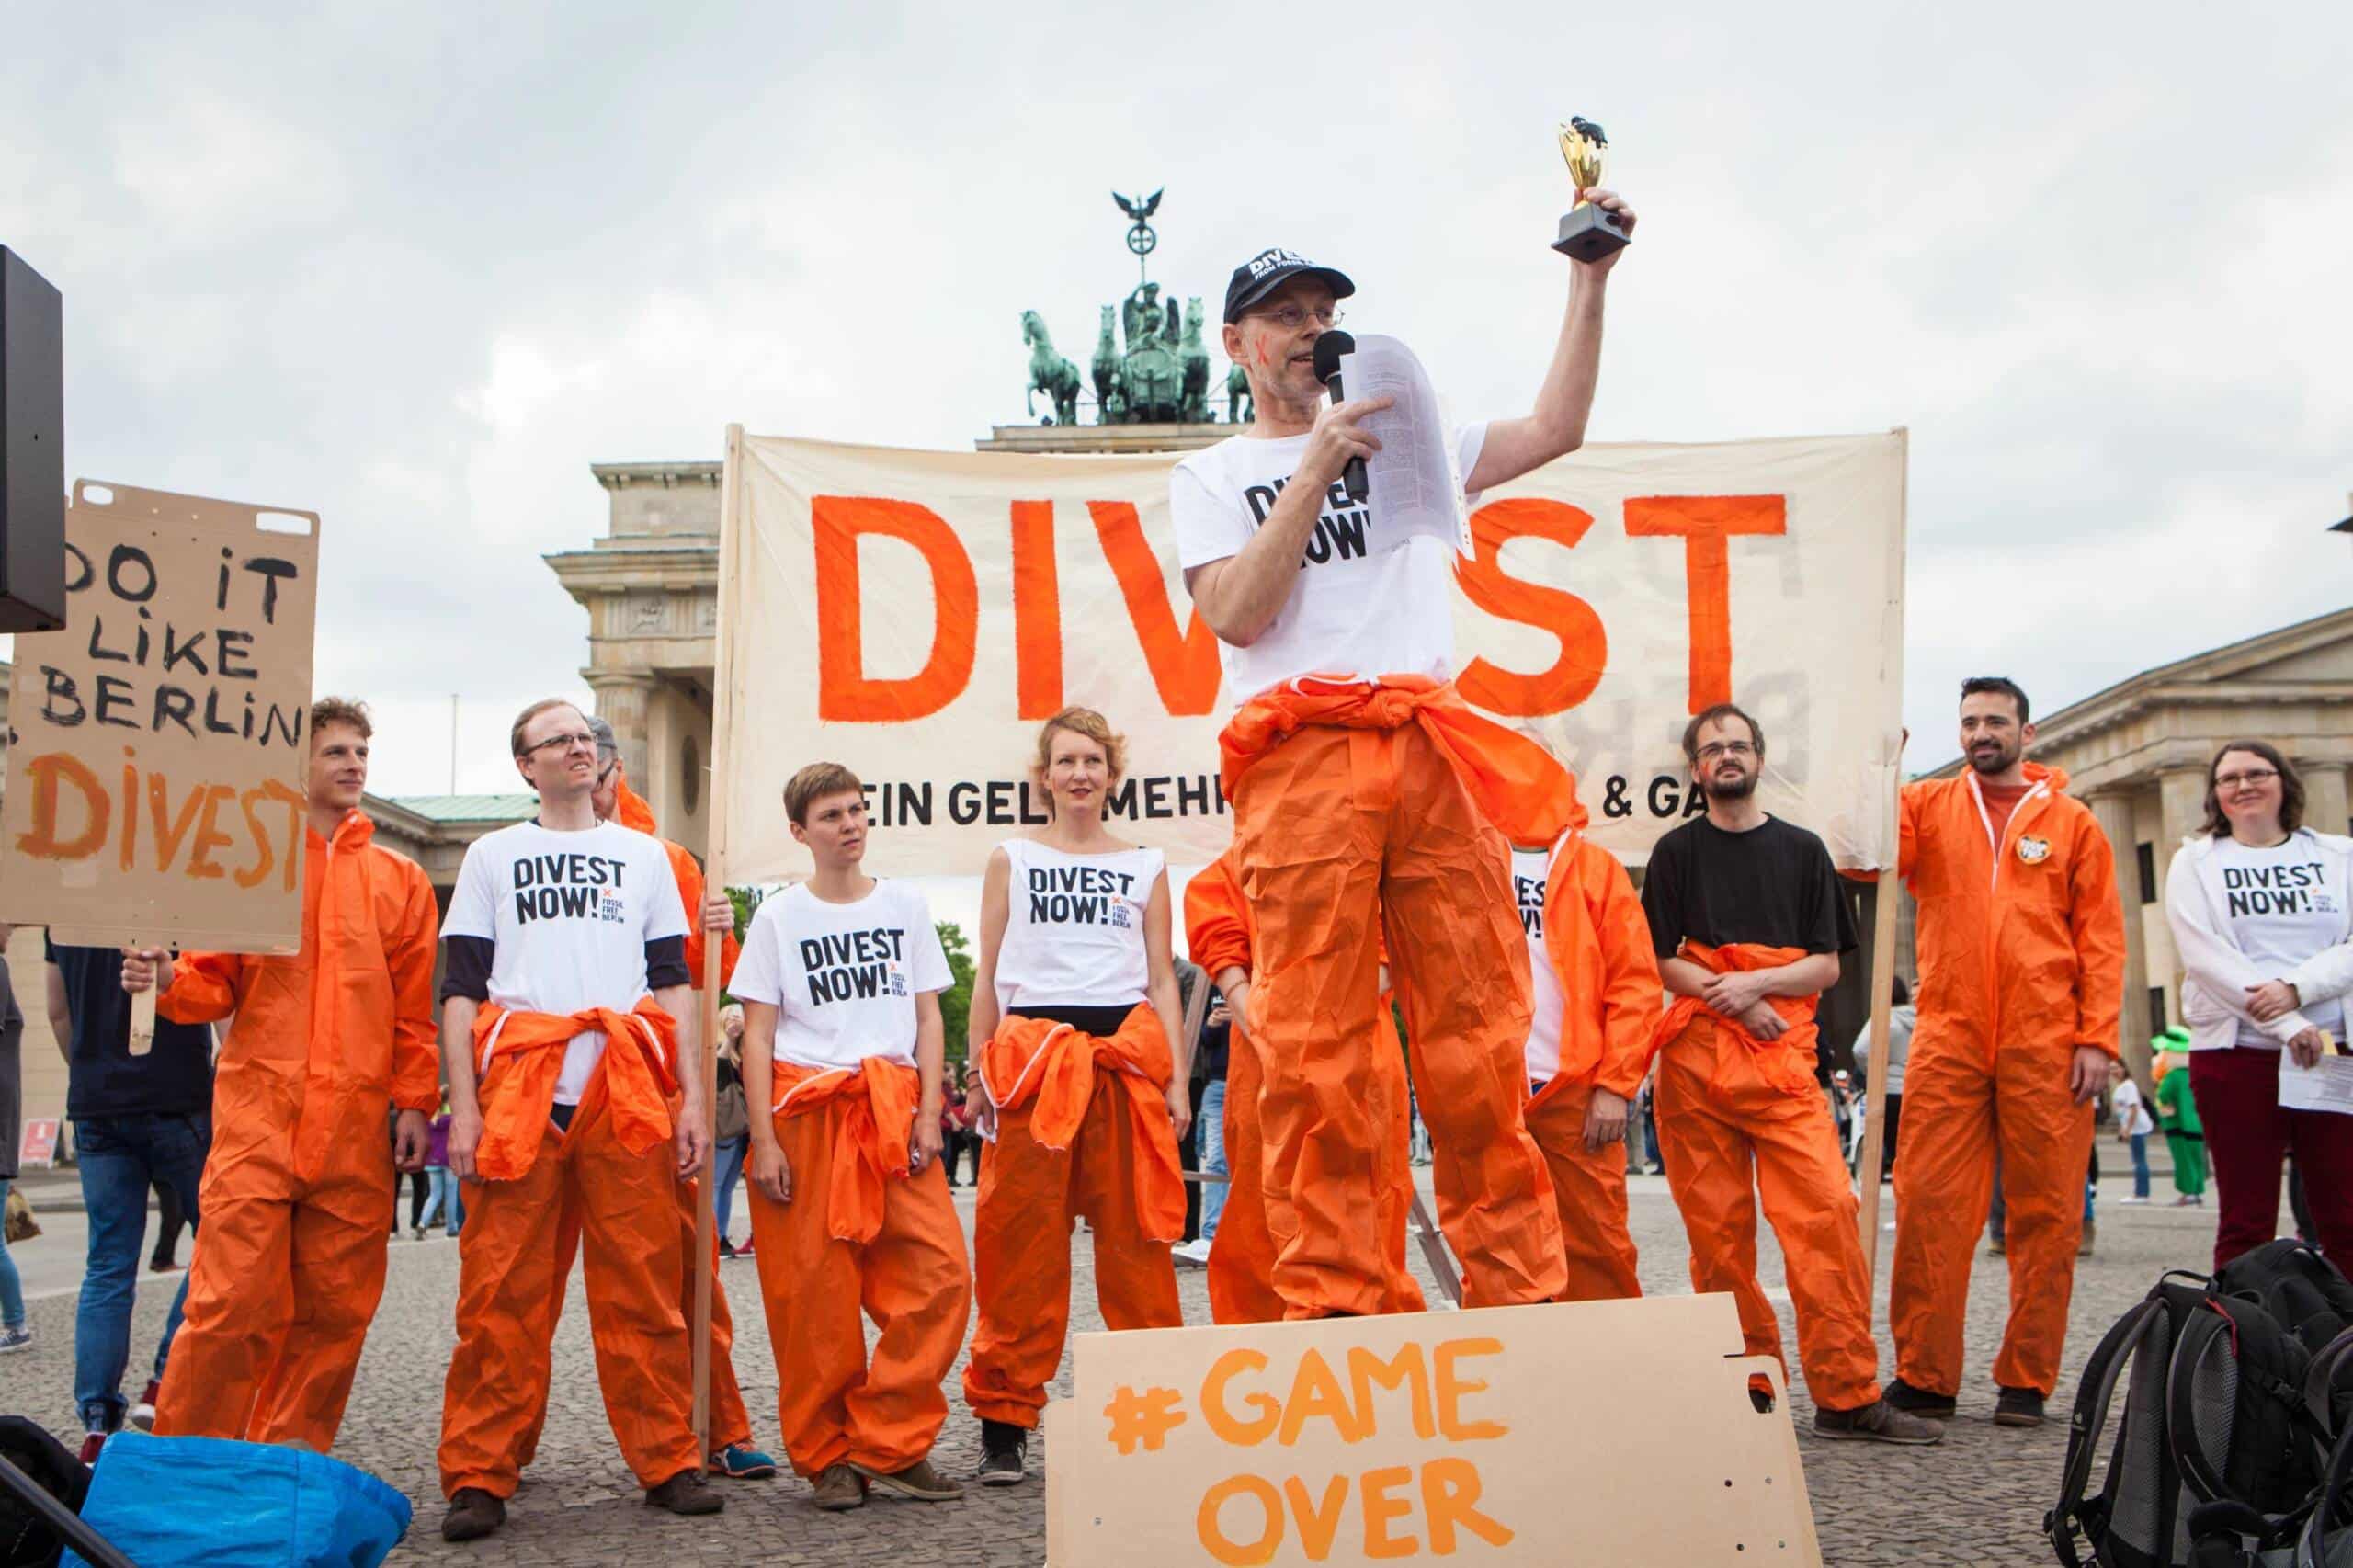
<point>1598,943</point>
<point>2021,946</point>
<point>615,1169</point>
<point>730,1422</point>
<point>1739,1117</point>
<point>860,1238</point>
<point>298,1192</point>
<point>1362,802</point>
<point>1242,1256</point>
<point>1082,1127</point>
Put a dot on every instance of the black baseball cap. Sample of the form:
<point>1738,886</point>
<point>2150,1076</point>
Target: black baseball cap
<point>1269,270</point>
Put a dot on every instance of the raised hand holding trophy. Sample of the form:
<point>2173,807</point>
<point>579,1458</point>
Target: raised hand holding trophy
<point>1587,233</point>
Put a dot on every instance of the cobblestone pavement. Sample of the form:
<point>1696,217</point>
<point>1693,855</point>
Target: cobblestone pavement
<point>1974,1499</point>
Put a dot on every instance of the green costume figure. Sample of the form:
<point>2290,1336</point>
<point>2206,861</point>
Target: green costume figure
<point>2177,1117</point>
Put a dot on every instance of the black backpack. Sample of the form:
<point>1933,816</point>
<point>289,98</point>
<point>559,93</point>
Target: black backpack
<point>2216,1436</point>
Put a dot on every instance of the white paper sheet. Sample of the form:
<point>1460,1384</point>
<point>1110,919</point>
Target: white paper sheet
<point>2328,1085</point>
<point>1410,483</point>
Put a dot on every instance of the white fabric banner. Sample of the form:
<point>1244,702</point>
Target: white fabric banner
<point>913,615</point>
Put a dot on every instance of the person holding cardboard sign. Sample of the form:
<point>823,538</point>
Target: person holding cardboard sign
<point>1748,925</point>
<point>565,987</point>
<point>1242,1256</point>
<point>1075,1027</point>
<point>328,1044</point>
<point>1589,1044</point>
<point>843,1054</point>
<point>1364,789</point>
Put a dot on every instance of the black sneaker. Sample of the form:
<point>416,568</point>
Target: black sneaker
<point>1919,1402</point>
<point>684,1492</point>
<point>473,1514</point>
<point>1004,1445</point>
<point>2018,1407</point>
<point>1878,1422</point>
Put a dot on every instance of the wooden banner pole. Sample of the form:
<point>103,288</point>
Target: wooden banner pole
<point>1874,1106</point>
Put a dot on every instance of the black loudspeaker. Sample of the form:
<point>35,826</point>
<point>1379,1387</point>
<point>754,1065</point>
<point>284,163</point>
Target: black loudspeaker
<point>32,449</point>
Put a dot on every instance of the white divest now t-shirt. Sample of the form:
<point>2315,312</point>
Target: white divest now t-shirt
<point>1357,609</point>
<point>1074,928</point>
<point>842,977</point>
<point>1529,868</point>
<point>2282,909</point>
<point>570,914</point>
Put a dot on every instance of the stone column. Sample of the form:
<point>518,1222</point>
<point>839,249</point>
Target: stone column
<point>2325,796</point>
<point>621,700</point>
<point>2114,810</point>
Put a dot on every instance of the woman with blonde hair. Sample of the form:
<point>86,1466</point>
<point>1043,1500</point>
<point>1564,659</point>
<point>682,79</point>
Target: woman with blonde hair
<point>1075,1031</point>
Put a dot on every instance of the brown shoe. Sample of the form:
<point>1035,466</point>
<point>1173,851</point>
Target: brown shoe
<point>1878,1422</point>
<point>684,1492</point>
<point>473,1514</point>
<point>918,1481</point>
<point>840,1487</point>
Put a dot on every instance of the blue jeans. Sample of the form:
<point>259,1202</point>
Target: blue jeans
<point>121,1157</point>
<point>12,1287</point>
<point>1211,1123</point>
<point>728,1159</point>
<point>442,1193</point>
<point>2140,1165</point>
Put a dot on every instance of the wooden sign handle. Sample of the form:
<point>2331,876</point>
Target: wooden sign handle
<point>143,1021</point>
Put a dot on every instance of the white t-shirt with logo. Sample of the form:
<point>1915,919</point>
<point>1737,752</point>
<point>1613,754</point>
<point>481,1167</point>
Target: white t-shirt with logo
<point>2282,909</point>
<point>1529,868</point>
<point>1357,609</point>
<point>1073,926</point>
<point>842,977</point>
<point>570,914</point>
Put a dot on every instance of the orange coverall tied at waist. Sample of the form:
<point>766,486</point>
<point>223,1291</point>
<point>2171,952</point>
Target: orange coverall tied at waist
<point>861,1236</point>
<point>297,1190</point>
<point>1242,1254</point>
<point>1082,1128</point>
<point>1597,942</point>
<point>1739,1117</point>
<point>613,1171</point>
<point>1362,803</point>
<point>2021,945</point>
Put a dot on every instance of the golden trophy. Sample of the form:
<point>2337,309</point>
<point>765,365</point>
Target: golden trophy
<point>1587,233</point>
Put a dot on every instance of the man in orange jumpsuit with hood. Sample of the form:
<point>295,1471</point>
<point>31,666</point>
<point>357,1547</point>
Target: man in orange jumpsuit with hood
<point>323,1088</point>
<point>2021,939</point>
<point>1594,1028</point>
<point>1242,1254</point>
<point>1747,919</point>
<point>1364,789</point>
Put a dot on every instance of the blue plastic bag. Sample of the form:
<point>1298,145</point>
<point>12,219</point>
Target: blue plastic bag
<point>210,1503</point>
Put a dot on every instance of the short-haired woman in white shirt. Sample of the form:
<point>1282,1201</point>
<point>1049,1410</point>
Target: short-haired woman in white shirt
<point>1074,1029</point>
<point>2261,908</point>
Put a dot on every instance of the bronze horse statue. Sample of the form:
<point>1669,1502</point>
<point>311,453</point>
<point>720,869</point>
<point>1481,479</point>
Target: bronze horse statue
<point>1110,396</point>
<point>1049,373</point>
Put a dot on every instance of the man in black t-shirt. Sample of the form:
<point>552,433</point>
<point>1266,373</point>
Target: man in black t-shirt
<point>138,1123</point>
<point>1747,922</point>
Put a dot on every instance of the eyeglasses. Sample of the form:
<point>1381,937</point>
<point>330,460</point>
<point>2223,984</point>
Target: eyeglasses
<point>573,742</point>
<point>1291,318</point>
<point>2249,780</point>
<point>1726,748</point>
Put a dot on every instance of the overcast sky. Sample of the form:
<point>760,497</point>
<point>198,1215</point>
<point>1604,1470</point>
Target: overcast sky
<point>416,267</point>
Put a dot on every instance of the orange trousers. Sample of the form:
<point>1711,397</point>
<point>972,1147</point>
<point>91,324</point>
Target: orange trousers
<point>1021,1233</point>
<point>834,1403</point>
<point>1242,1254</point>
<point>281,1292</point>
<point>1955,1112</point>
<point>497,1386</point>
<point>1331,825</point>
<point>730,1422</point>
<point>1589,1191</point>
<point>1728,1135</point>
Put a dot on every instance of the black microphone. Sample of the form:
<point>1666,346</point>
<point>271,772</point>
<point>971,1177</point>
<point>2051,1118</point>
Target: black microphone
<point>1329,346</point>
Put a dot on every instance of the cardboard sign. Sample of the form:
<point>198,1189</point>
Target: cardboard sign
<point>159,742</point>
<point>38,1150</point>
<point>1614,1432</point>
<point>913,615</point>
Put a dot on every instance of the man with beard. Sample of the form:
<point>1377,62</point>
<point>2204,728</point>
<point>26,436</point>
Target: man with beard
<point>1748,923</point>
<point>2021,941</point>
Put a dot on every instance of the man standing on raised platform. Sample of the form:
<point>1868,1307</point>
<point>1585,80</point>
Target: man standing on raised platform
<point>1364,789</point>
